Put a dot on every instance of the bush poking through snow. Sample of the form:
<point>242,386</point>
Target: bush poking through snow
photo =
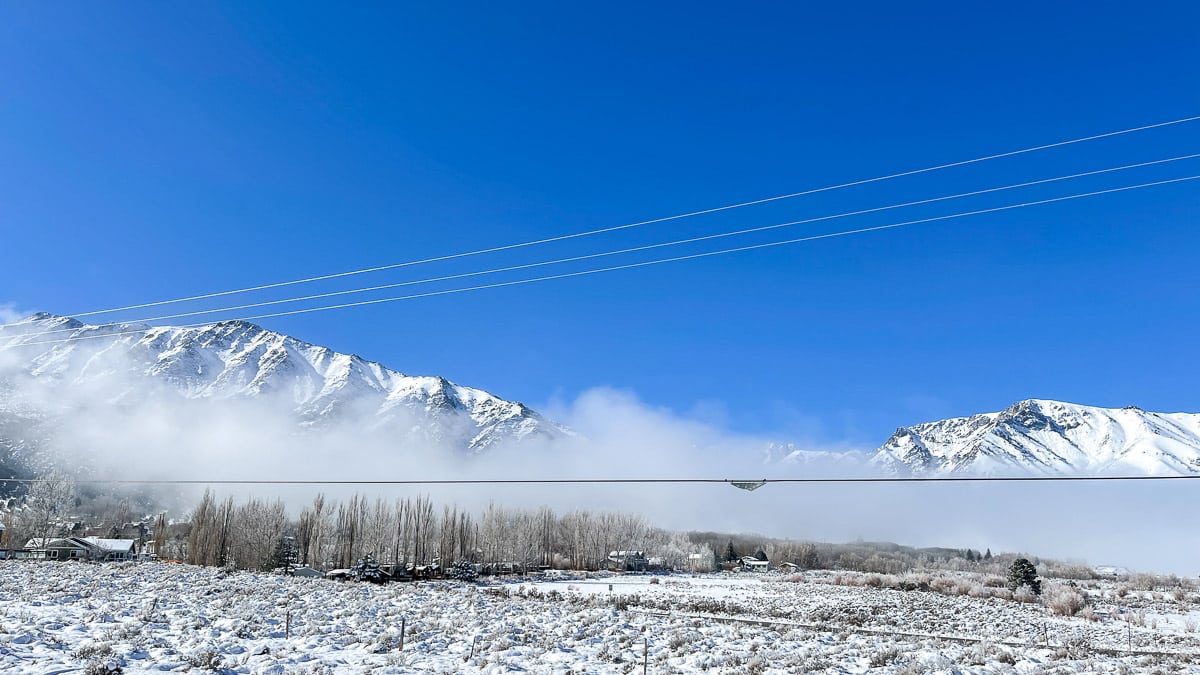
<point>93,650</point>
<point>1064,600</point>
<point>885,657</point>
<point>1024,594</point>
<point>103,668</point>
<point>205,659</point>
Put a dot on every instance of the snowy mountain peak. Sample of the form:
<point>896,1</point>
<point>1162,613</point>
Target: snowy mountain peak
<point>233,360</point>
<point>1050,438</point>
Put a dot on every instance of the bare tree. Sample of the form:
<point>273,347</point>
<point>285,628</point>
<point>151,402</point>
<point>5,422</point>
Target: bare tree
<point>47,505</point>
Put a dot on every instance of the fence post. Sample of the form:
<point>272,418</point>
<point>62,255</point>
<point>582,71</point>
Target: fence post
<point>645,654</point>
<point>403,621</point>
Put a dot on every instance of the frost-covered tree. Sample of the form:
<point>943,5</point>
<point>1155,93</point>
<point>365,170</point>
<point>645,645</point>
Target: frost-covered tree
<point>47,505</point>
<point>208,540</point>
<point>1023,573</point>
<point>806,556</point>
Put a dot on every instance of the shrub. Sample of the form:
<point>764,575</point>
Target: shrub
<point>1024,594</point>
<point>205,659</point>
<point>885,657</point>
<point>1064,601</point>
<point>1143,582</point>
<point>93,650</point>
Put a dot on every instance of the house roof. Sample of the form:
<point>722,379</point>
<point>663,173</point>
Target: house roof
<point>119,545</point>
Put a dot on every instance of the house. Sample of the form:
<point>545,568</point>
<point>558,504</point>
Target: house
<point>81,548</point>
<point>307,572</point>
<point>752,564</point>
<point>628,561</point>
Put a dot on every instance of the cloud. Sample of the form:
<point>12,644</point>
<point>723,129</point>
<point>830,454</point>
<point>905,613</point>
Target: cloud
<point>118,424</point>
<point>10,314</point>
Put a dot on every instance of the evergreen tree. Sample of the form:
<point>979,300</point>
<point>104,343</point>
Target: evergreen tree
<point>284,556</point>
<point>464,570</point>
<point>1023,573</point>
<point>731,554</point>
<point>988,555</point>
<point>366,569</point>
<point>760,554</point>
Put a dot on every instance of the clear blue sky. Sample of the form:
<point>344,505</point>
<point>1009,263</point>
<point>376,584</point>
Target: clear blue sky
<point>155,150</point>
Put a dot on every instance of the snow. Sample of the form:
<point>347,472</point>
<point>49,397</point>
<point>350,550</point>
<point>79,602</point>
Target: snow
<point>239,360</point>
<point>1049,438</point>
<point>156,617</point>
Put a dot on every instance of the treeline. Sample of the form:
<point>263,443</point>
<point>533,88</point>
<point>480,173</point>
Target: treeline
<point>861,556</point>
<point>330,534</point>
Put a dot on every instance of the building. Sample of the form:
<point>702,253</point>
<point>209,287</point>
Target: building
<point>92,549</point>
<point>628,561</point>
<point>751,564</point>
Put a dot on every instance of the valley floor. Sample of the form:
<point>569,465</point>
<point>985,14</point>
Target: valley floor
<point>150,617</point>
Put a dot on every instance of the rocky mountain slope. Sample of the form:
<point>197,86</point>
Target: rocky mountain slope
<point>237,361</point>
<point>1047,438</point>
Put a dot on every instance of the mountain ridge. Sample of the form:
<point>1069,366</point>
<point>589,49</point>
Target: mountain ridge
<point>232,360</point>
<point>1047,438</point>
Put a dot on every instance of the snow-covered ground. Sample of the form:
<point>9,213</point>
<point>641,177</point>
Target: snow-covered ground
<point>69,617</point>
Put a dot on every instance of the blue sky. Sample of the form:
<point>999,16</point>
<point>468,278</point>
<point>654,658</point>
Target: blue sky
<point>151,151</point>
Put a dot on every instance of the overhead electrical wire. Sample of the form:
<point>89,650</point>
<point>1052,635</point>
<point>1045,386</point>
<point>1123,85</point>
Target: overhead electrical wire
<point>660,261</point>
<point>635,249</point>
<point>680,216</point>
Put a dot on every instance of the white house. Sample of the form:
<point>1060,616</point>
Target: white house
<point>83,548</point>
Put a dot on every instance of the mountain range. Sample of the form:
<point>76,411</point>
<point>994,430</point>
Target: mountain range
<point>1048,438</point>
<point>231,361</point>
<point>235,361</point>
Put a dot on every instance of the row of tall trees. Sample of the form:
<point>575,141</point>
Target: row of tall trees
<point>413,530</point>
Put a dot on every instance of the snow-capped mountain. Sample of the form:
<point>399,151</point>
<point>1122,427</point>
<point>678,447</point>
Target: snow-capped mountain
<point>236,360</point>
<point>1048,438</point>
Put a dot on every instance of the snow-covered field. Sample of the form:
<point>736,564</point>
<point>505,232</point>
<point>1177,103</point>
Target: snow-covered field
<point>70,617</point>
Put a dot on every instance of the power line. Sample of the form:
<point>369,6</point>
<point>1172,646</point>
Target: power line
<point>607,481</point>
<point>635,249</point>
<point>648,263</point>
<point>728,207</point>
